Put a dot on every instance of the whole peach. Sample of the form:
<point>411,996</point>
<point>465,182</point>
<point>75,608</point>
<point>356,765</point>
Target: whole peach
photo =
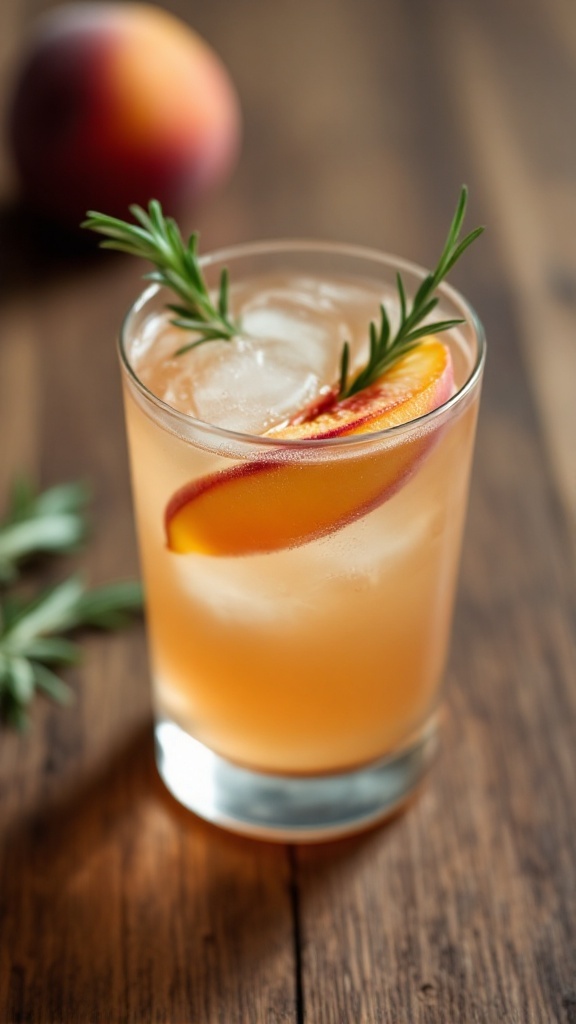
<point>117,103</point>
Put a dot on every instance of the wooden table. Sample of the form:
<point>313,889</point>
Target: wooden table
<point>362,118</point>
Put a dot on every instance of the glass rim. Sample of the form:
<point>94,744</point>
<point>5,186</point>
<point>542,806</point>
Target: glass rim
<point>295,245</point>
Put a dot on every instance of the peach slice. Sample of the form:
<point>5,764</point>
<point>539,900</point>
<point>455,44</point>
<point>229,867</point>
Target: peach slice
<point>419,382</point>
<point>287,499</point>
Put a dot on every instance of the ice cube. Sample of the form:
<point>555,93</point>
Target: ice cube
<point>238,589</point>
<point>289,348</point>
<point>251,385</point>
<point>302,317</point>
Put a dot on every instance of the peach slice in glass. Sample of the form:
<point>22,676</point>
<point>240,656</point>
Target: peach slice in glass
<point>288,499</point>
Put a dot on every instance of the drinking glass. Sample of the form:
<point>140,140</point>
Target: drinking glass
<point>297,674</point>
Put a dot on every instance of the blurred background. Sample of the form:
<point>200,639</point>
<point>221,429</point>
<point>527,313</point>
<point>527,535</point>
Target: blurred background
<point>354,120</point>
<point>361,118</point>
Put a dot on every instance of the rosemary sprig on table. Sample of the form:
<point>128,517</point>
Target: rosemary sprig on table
<point>52,522</point>
<point>386,348</point>
<point>32,640</point>
<point>157,238</point>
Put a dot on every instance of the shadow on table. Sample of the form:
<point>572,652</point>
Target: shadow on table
<point>35,252</point>
<point>121,905</point>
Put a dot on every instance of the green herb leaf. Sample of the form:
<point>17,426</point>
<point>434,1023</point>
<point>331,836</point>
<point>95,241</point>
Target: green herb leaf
<point>157,238</point>
<point>31,637</point>
<point>32,630</point>
<point>386,349</point>
<point>52,522</point>
<point>111,606</point>
<point>51,684</point>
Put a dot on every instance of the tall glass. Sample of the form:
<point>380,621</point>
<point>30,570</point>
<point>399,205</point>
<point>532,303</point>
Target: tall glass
<point>297,678</point>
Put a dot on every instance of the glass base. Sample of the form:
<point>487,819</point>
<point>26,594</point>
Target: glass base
<point>288,808</point>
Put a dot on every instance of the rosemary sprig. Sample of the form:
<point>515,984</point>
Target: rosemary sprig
<point>158,239</point>
<point>32,641</point>
<point>52,522</point>
<point>31,630</point>
<point>386,348</point>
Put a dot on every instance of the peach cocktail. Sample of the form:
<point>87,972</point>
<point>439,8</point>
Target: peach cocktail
<point>299,554</point>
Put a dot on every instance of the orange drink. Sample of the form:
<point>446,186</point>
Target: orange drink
<point>299,558</point>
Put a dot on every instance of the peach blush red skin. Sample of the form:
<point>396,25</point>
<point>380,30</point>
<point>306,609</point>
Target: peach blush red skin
<point>193,490</point>
<point>196,488</point>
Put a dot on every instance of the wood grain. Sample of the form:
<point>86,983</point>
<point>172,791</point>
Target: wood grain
<point>528,178</point>
<point>361,121</point>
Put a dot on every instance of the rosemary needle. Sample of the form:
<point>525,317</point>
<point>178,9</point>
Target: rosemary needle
<point>157,238</point>
<point>386,348</point>
<point>32,639</point>
<point>34,630</point>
